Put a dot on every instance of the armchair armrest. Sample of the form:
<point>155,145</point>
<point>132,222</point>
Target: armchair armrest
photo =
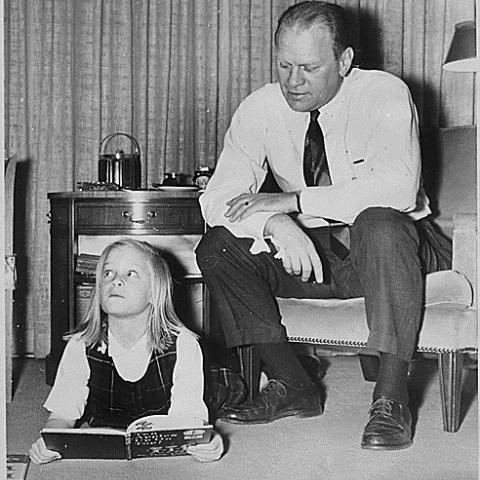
<point>465,246</point>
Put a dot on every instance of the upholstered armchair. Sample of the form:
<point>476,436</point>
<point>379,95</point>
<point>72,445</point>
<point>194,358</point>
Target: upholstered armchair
<point>449,327</point>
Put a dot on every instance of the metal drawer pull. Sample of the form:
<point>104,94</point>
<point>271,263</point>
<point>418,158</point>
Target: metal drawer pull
<point>150,214</point>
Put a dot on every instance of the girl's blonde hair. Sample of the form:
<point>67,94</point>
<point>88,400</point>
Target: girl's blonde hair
<point>163,324</point>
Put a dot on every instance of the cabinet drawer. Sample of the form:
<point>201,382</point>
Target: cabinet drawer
<point>180,216</point>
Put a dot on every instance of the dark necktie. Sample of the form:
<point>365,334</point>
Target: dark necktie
<point>317,173</point>
<point>315,165</point>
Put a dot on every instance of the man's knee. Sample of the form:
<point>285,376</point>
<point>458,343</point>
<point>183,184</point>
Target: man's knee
<point>214,239</point>
<point>383,228</point>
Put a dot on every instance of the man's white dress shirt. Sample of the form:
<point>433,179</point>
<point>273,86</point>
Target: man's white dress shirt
<point>371,140</point>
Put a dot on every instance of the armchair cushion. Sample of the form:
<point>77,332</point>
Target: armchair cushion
<point>449,322</point>
<point>448,287</point>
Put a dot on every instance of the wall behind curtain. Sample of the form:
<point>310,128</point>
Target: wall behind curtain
<point>171,74</point>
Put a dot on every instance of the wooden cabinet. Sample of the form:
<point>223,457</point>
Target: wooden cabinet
<point>75,214</point>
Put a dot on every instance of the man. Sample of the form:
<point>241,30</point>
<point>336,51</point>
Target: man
<point>343,146</point>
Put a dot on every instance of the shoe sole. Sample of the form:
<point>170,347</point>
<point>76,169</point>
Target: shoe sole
<point>294,413</point>
<point>387,447</point>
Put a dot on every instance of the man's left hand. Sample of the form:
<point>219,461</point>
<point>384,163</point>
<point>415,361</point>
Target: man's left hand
<point>246,204</point>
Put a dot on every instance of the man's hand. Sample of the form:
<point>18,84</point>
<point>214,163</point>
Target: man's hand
<point>244,205</point>
<point>297,251</point>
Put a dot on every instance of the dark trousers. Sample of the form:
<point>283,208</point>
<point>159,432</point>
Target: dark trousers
<point>389,257</point>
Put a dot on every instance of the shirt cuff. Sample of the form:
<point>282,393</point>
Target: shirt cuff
<point>253,227</point>
<point>317,202</point>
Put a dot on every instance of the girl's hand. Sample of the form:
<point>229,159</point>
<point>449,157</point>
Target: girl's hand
<point>208,452</point>
<point>39,453</point>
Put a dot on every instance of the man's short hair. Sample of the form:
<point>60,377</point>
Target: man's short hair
<point>323,14</point>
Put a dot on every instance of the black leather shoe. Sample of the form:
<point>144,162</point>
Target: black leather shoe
<point>276,400</point>
<point>389,427</point>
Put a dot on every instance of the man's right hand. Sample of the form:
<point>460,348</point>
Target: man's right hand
<point>297,251</point>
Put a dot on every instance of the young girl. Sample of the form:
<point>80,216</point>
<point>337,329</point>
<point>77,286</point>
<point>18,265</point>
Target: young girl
<point>131,356</point>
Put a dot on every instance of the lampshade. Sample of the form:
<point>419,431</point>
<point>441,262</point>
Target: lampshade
<point>462,56</point>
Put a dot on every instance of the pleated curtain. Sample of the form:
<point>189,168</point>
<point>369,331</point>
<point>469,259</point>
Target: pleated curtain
<point>171,73</point>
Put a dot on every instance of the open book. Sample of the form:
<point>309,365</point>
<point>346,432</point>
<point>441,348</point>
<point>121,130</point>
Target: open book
<point>151,436</point>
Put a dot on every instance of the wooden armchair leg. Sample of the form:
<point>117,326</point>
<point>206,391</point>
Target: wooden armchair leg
<point>249,369</point>
<point>450,375</point>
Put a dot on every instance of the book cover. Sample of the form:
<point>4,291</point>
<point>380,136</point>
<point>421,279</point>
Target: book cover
<point>151,436</point>
<point>17,466</point>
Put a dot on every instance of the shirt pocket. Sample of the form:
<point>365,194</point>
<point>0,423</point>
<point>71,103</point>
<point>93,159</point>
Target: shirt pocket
<point>359,167</point>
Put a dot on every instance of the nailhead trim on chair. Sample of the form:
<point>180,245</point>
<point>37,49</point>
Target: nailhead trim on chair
<point>340,343</point>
